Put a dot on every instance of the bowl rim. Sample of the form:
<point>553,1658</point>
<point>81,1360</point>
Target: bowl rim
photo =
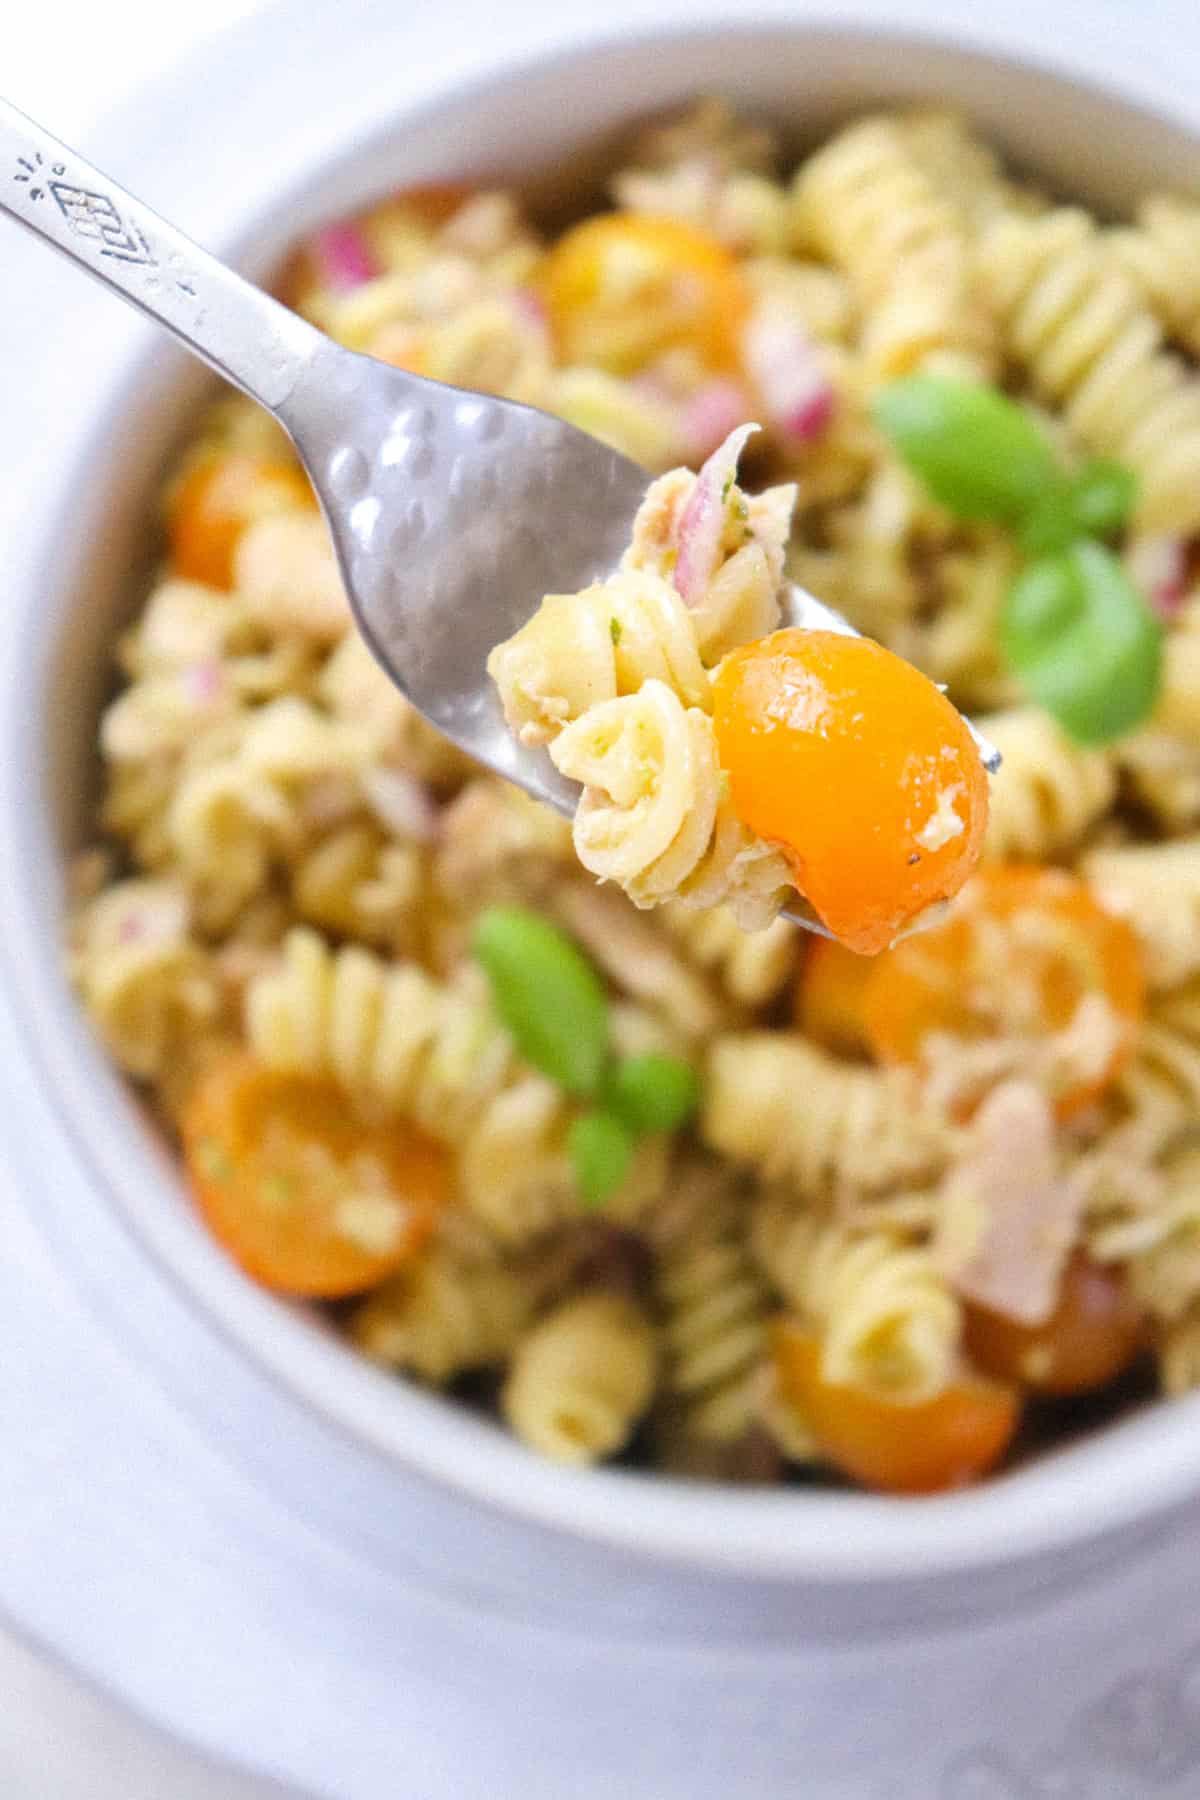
<point>1075,1495</point>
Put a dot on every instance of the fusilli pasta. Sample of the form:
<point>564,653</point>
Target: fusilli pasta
<point>1162,254</point>
<point>885,1314</point>
<point>866,201</point>
<point>778,1103</point>
<point>448,1312</point>
<point>1081,328</point>
<point>714,1305</point>
<point>1048,791</point>
<point>655,815</point>
<point>1157,888</point>
<point>581,1378</point>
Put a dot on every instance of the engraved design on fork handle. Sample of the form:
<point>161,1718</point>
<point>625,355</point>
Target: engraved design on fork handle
<point>242,333</point>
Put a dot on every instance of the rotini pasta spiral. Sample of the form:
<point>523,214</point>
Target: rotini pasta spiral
<point>714,1305</point>
<point>393,1036</point>
<point>1179,1356</point>
<point>580,650</point>
<point>960,167</point>
<point>1177,710</point>
<point>357,883</point>
<point>1157,1097</point>
<point>1162,254</point>
<point>866,201</point>
<point>655,815</point>
<point>959,644</point>
<point>1081,328</point>
<point>448,1312</point>
<point>515,1172</point>
<point>752,966</point>
<point>357,692</point>
<point>235,815</point>
<point>145,981</point>
<point>581,1378</point>
<point>1164,774</point>
<point>1162,1245</point>
<point>1157,888</point>
<point>1048,791</point>
<point>212,639</point>
<point>389,1034</point>
<point>286,574</point>
<point>776,1102</point>
<point>707,169</point>
<point>886,1316</point>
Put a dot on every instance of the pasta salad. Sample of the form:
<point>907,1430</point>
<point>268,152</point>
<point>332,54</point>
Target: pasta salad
<point>673,1182</point>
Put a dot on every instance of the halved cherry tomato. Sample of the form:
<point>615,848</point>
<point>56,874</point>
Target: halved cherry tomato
<point>859,769</point>
<point>830,991</point>
<point>919,1449</point>
<point>308,1199</point>
<point>433,203</point>
<point>623,288</point>
<point>1093,1334</point>
<point>1021,949</point>
<point>217,497</point>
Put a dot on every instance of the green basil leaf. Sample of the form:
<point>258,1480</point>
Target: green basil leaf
<point>1084,642</point>
<point>1051,524</point>
<point>601,1149</point>
<point>974,449</point>
<point>1103,496</point>
<point>547,994</point>
<point>653,1092</point>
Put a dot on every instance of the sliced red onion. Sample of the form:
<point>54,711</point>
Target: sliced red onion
<point>204,681</point>
<point>343,257</point>
<point>796,391</point>
<point>150,915</point>
<point>1158,566</point>
<point>529,306</point>
<point>403,804</point>
<point>710,415</point>
<point>702,522</point>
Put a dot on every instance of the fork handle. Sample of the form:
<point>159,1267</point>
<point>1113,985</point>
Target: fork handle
<point>246,336</point>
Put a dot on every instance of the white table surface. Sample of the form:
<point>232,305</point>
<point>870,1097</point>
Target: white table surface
<point>58,1740</point>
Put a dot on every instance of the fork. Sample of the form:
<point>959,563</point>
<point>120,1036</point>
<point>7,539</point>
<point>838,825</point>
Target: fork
<point>452,513</point>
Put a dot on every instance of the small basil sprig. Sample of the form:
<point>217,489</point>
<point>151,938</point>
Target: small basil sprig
<point>553,1004</point>
<point>979,456</point>
<point>1096,503</point>
<point>1074,627</point>
<point>1084,642</point>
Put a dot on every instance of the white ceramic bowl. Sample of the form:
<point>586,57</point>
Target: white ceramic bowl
<point>715,1618</point>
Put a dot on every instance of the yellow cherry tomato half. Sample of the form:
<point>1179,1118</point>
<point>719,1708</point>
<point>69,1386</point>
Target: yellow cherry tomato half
<point>1020,950</point>
<point>215,500</point>
<point>923,1448</point>
<point>303,1195</point>
<point>1090,1338</point>
<point>859,769</point>
<point>623,288</point>
<point>830,993</point>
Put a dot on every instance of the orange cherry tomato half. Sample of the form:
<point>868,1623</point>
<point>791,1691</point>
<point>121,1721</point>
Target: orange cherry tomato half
<point>830,991</point>
<point>864,775</point>
<point>304,1196</point>
<point>434,203</point>
<point>1020,950</point>
<point>1090,1338</point>
<point>217,497</point>
<point>623,288</point>
<point>919,1449</point>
